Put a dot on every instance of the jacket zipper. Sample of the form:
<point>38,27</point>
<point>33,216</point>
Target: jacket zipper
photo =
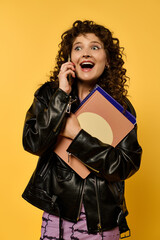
<point>99,225</point>
<point>67,110</point>
<point>79,211</point>
<point>42,172</point>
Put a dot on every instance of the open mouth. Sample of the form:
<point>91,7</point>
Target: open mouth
<point>87,65</point>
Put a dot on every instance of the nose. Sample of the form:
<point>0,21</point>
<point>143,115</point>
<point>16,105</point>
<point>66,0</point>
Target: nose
<point>86,55</point>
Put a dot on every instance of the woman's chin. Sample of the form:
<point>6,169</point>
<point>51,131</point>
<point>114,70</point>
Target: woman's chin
<point>88,78</point>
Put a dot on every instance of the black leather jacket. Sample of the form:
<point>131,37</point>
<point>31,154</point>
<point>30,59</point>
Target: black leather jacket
<point>55,186</point>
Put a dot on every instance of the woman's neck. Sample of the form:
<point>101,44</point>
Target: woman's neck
<point>84,89</point>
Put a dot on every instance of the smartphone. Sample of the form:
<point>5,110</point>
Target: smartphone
<point>69,58</point>
<point>69,76</point>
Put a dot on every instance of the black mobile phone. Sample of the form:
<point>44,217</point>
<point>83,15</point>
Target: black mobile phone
<point>69,76</point>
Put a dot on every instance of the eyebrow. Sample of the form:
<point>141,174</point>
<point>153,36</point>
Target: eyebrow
<point>90,42</point>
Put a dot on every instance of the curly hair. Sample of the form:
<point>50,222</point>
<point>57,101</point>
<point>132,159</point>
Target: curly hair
<point>113,79</point>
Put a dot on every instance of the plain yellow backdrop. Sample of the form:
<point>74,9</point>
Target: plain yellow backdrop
<point>29,36</point>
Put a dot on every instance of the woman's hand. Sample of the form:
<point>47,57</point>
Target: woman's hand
<point>72,127</point>
<point>67,70</point>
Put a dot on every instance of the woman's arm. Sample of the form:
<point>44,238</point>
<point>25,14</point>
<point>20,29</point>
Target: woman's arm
<point>114,164</point>
<point>44,119</point>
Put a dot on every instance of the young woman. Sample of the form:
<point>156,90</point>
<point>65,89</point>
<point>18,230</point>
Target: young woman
<point>76,208</point>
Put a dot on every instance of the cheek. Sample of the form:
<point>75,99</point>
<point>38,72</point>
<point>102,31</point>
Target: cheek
<point>104,59</point>
<point>101,69</point>
<point>102,64</point>
<point>74,57</point>
<point>101,58</point>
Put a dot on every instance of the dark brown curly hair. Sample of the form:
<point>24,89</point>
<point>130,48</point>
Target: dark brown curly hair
<point>113,79</point>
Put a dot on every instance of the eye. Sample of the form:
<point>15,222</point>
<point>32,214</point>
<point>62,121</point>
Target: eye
<point>78,48</point>
<point>95,47</point>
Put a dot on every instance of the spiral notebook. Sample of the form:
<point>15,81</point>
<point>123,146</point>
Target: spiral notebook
<point>102,117</point>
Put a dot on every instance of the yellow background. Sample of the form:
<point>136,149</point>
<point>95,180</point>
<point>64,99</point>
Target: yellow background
<point>29,34</point>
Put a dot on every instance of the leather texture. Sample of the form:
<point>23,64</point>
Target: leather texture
<point>55,187</point>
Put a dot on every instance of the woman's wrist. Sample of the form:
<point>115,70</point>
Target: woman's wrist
<point>66,90</point>
<point>75,132</point>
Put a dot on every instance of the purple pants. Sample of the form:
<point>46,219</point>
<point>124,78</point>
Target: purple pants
<point>76,231</point>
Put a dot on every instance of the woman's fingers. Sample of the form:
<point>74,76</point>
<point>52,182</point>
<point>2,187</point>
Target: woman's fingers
<point>69,71</point>
<point>66,70</point>
<point>67,66</point>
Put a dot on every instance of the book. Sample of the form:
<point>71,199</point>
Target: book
<point>104,118</point>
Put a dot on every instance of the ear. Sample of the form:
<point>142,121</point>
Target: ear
<point>107,64</point>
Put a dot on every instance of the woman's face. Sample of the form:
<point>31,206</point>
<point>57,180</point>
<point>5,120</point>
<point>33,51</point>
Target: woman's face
<point>89,57</point>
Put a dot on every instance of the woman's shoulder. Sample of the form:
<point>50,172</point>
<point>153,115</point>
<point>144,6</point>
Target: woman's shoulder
<point>44,93</point>
<point>46,88</point>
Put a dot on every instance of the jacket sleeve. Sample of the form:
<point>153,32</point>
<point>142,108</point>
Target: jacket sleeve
<point>44,119</point>
<point>113,164</point>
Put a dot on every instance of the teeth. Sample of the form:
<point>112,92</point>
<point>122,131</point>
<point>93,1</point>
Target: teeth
<point>86,63</point>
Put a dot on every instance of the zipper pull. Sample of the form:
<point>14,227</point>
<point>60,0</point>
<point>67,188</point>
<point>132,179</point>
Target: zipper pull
<point>69,154</point>
<point>53,200</point>
<point>68,109</point>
